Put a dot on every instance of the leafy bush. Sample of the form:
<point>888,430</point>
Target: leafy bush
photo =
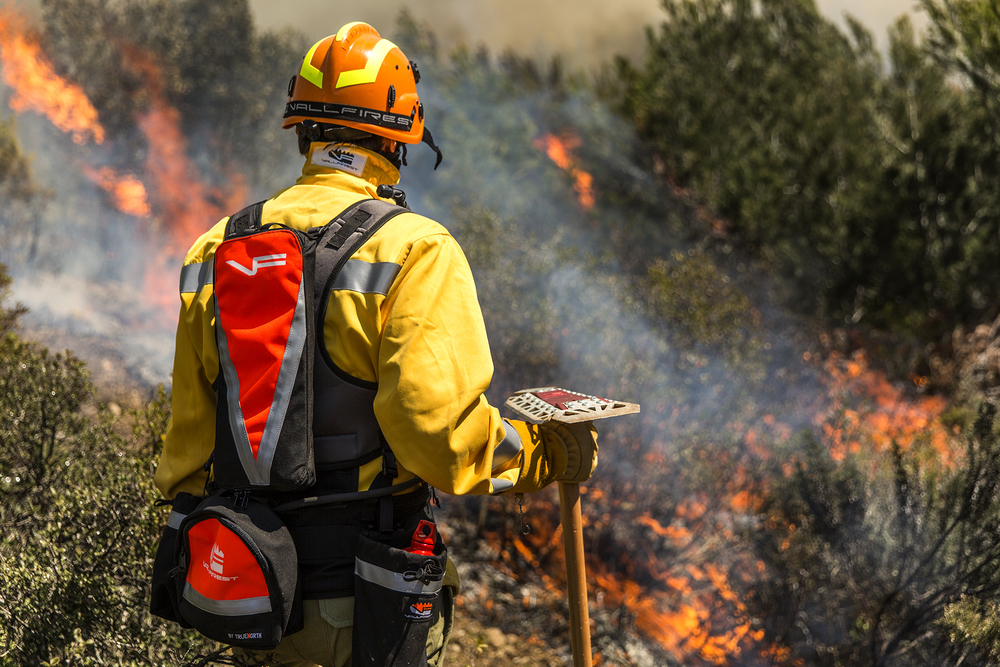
<point>864,556</point>
<point>873,189</point>
<point>79,527</point>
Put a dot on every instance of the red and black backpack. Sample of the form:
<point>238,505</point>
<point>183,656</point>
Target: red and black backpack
<point>267,281</point>
<point>228,566</point>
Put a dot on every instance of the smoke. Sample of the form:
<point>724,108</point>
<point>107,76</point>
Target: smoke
<point>586,33</point>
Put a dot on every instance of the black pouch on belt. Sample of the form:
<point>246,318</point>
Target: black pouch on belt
<point>396,595</point>
<point>163,601</point>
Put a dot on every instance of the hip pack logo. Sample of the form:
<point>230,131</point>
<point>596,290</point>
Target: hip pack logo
<point>420,611</point>
<point>237,636</point>
<point>217,558</point>
<point>259,263</point>
<point>215,564</point>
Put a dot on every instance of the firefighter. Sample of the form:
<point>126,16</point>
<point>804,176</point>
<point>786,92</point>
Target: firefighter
<point>403,342</point>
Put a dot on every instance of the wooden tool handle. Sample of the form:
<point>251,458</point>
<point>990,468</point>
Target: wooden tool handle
<point>576,573</point>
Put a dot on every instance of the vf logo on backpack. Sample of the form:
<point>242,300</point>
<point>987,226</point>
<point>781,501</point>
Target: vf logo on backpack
<point>259,263</point>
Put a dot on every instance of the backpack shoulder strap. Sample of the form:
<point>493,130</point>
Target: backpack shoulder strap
<point>245,219</point>
<point>341,238</point>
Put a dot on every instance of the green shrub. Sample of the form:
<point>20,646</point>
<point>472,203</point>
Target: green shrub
<point>79,527</point>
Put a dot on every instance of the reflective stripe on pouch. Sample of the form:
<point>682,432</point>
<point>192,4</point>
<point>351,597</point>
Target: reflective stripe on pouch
<point>244,607</point>
<point>196,276</point>
<point>174,520</point>
<point>367,277</point>
<point>392,580</point>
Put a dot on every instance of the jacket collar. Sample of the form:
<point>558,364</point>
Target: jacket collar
<point>346,165</point>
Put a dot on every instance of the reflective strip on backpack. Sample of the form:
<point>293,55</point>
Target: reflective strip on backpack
<point>174,520</point>
<point>259,470</point>
<point>366,277</point>
<point>244,607</point>
<point>283,389</point>
<point>393,580</point>
<point>236,422</point>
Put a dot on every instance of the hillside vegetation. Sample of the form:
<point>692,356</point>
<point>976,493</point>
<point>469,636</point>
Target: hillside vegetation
<point>776,238</point>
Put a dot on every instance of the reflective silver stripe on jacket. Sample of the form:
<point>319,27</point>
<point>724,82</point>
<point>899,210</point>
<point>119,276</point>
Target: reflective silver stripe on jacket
<point>500,485</point>
<point>244,607</point>
<point>174,520</point>
<point>366,277</point>
<point>393,580</point>
<point>503,453</point>
<point>356,276</point>
<point>196,276</point>
<point>507,448</point>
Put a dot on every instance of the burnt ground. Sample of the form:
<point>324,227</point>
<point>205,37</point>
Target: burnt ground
<point>506,618</point>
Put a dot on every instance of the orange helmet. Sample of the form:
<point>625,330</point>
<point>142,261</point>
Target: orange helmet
<point>359,80</point>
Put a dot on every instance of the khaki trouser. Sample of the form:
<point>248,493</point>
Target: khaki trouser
<point>325,639</point>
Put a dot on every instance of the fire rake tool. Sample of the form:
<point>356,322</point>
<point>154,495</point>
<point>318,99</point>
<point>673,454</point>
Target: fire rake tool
<point>554,404</point>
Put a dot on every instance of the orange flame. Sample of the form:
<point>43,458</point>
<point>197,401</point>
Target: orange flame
<point>560,151</point>
<point>127,192</point>
<point>186,205</point>
<point>683,581</point>
<point>182,202</point>
<point>890,415</point>
<point>38,88</point>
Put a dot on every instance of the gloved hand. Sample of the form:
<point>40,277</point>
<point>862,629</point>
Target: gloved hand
<point>579,441</point>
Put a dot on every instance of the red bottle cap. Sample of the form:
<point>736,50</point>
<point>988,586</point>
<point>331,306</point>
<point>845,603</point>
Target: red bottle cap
<point>423,539</point>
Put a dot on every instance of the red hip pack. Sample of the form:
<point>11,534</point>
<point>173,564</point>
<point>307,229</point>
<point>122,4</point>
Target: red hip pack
<point>237,573</point>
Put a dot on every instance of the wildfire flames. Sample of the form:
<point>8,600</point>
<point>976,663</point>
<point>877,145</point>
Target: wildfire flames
<point>560,152</point>
<point>127,192</point>
<point>38,88</point>
<point>890,416</point>
<point>169,192</point>
<point>666,581</point>
<point>185,203</point>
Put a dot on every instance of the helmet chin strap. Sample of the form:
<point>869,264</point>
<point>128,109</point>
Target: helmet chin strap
<point>429,140</point>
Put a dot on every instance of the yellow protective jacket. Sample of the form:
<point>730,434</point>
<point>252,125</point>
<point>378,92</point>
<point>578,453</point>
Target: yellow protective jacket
<point>423,342</point>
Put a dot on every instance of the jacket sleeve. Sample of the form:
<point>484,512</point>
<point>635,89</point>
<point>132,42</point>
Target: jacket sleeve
<point>190,436</point>
<point>434,366</point>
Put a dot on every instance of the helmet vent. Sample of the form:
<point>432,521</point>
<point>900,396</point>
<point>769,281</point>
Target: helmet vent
<point>291,85</point>
<point>416,72</point>
<point>392,98</point>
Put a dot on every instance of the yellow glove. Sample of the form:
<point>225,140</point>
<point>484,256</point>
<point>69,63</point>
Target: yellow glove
<point>579,441</point>
<point>554,451</point>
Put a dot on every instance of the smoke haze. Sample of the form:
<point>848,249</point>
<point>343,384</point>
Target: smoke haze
<point>585,33</point>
